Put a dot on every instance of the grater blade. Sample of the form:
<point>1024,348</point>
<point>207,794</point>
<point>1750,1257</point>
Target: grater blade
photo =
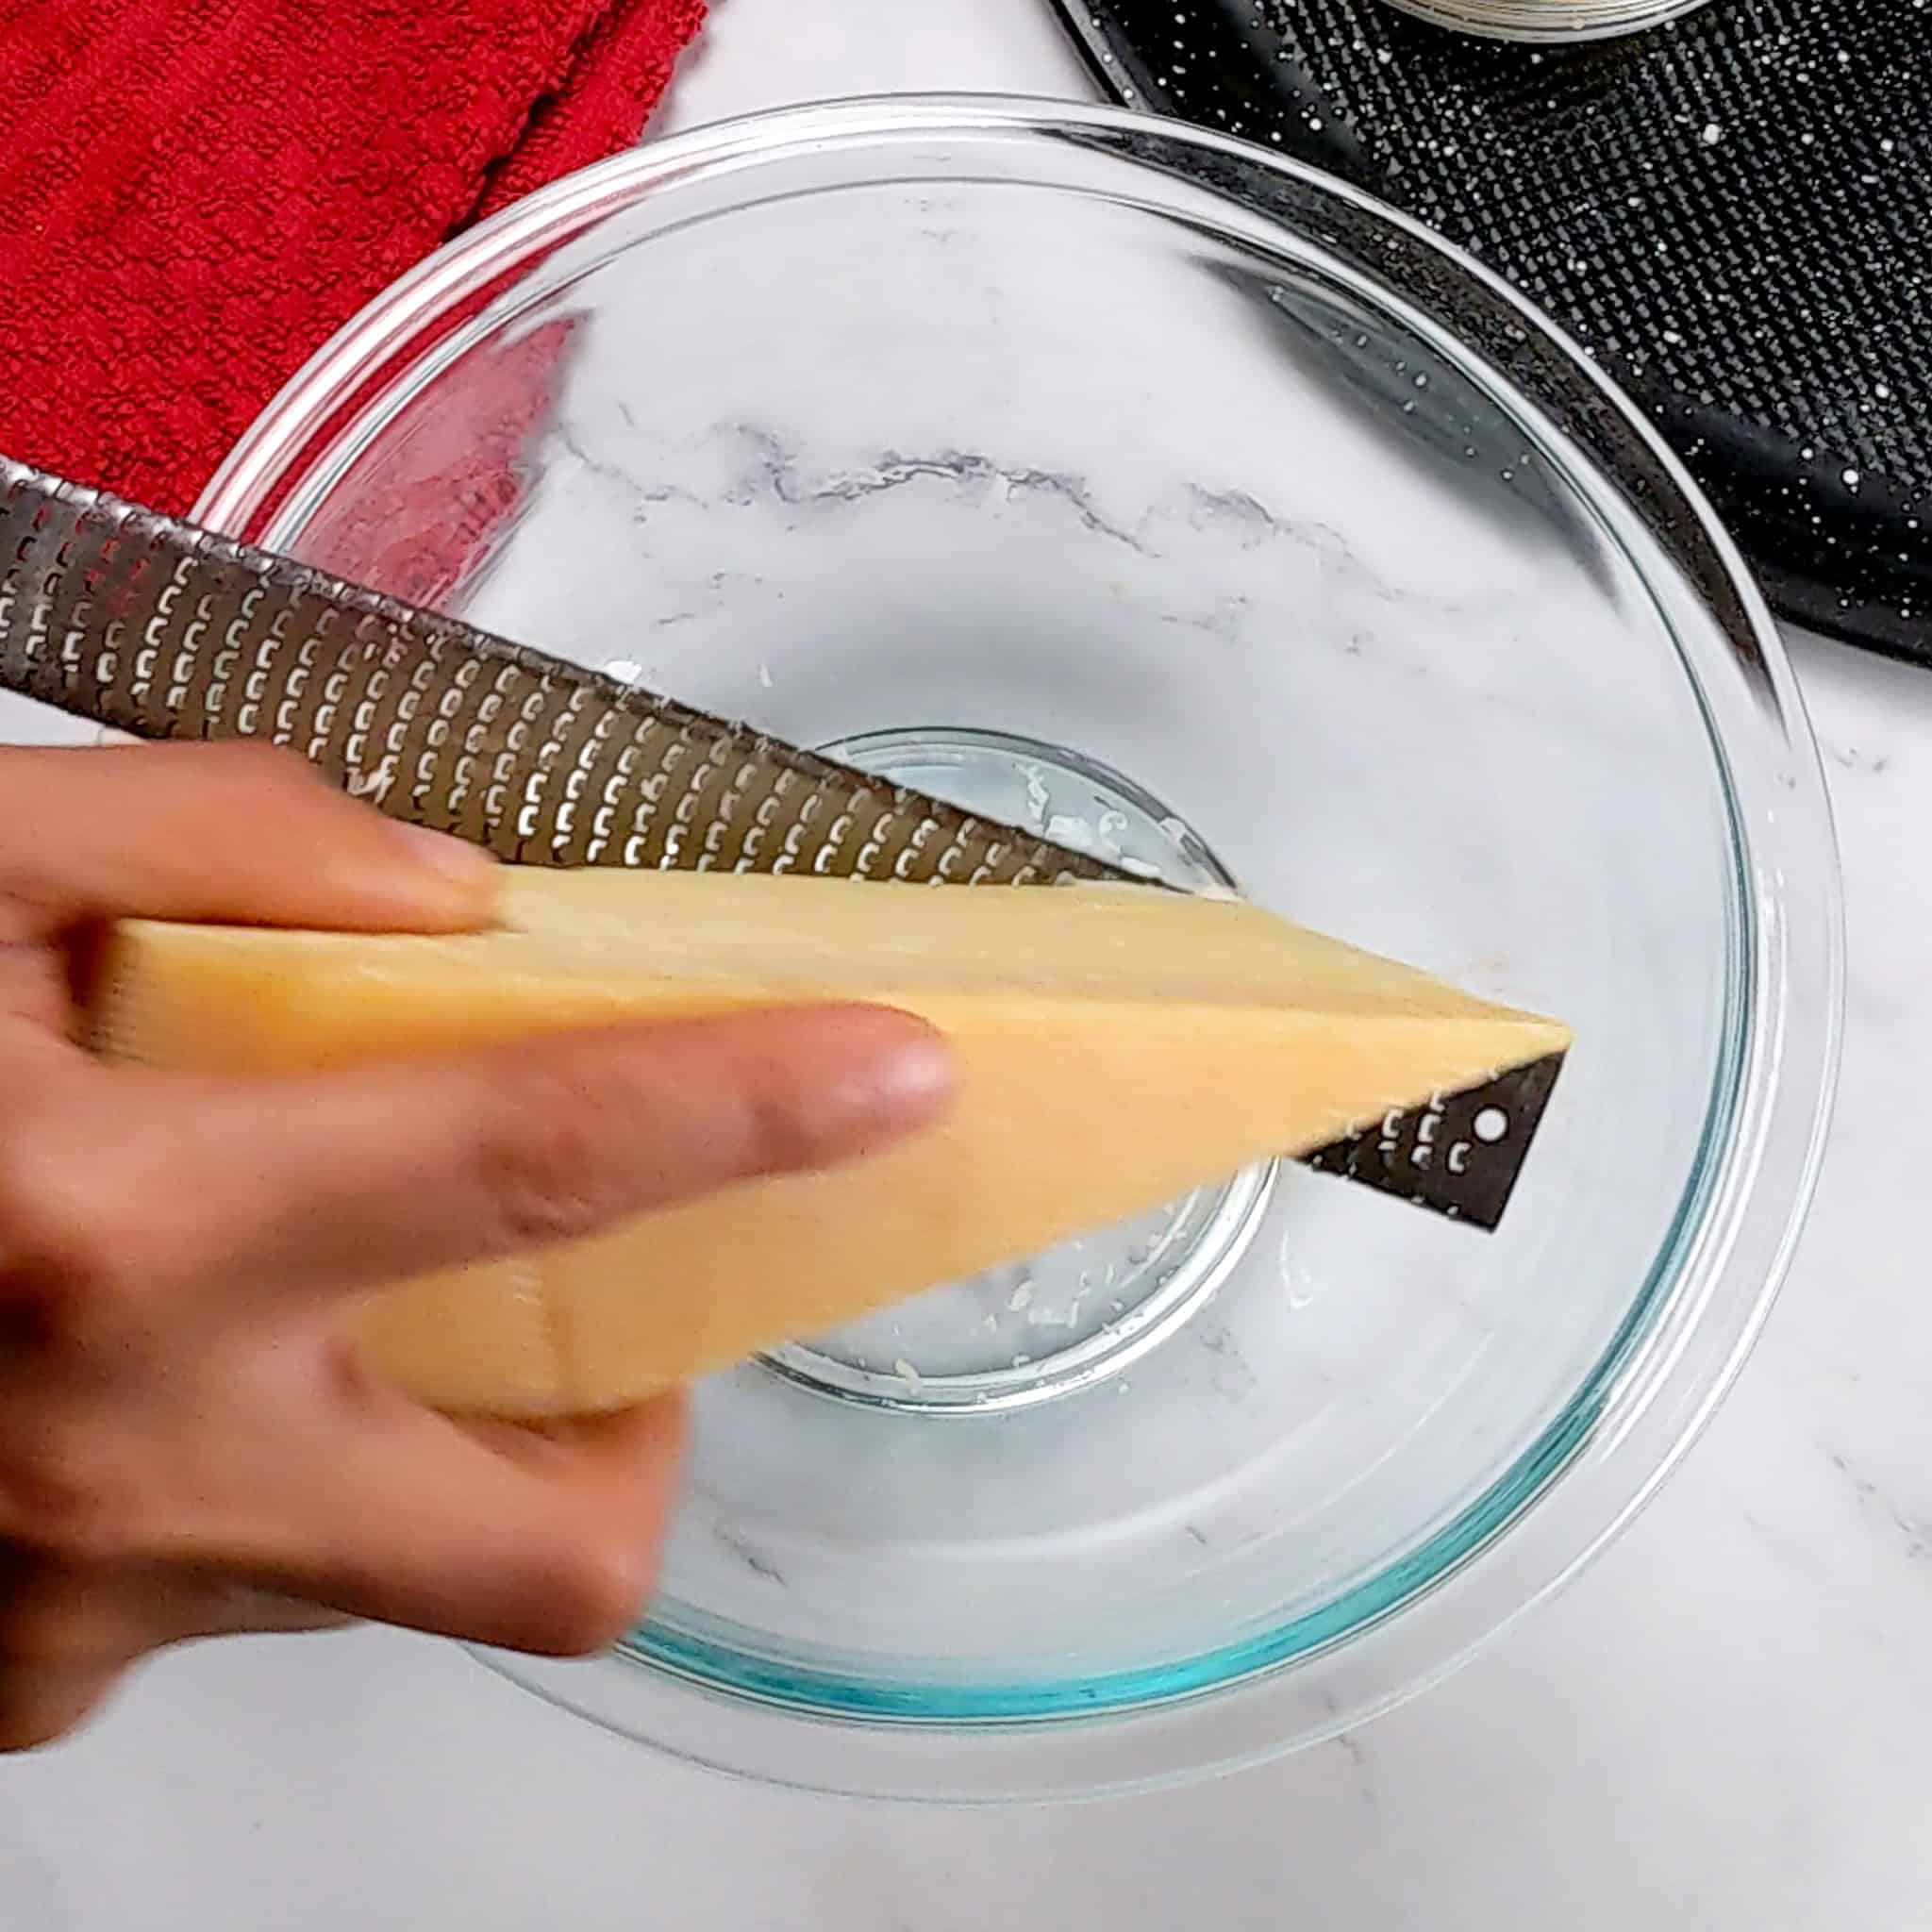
<point>148,626</point>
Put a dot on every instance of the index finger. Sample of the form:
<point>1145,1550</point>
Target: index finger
<point>163,1192</point>
<point>235,833</point>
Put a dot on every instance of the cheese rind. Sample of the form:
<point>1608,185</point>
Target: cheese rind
<point>1115,1046</point>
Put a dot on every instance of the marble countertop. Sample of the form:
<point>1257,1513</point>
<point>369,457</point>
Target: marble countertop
<point>1726,1723</point>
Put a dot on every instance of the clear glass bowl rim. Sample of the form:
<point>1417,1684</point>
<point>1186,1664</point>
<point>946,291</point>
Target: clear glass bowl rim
<point>1545,21</point>
<point>1656,1389</point>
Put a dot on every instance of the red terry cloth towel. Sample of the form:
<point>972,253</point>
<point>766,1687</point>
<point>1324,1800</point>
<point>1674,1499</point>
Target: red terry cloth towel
<point>195,193</point>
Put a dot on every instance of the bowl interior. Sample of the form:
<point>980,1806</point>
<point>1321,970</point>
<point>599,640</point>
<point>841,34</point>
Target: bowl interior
<point>931,433</point>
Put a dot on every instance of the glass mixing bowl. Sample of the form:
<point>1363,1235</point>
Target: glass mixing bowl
<point>1132,482</point>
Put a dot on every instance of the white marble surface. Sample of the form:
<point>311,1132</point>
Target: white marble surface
<point>1726,1724</point>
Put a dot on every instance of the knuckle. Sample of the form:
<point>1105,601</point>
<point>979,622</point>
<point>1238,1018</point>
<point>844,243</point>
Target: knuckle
<point>79,1277</point>
<point>544,1167</point>
<point>777,1134</point>
<point>55,1265</point>
<point>71,1497</point>
<point>65,1286</point>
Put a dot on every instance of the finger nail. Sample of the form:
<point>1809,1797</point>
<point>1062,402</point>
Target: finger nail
<point>918,1078</point>
<point>899,1088</point>
<point>455,859</point>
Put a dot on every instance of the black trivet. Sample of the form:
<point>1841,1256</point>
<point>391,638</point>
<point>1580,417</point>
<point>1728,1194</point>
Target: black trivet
<point>1733,213</point>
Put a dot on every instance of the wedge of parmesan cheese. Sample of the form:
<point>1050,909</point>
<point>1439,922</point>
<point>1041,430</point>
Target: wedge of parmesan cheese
<point>1116,1047</point>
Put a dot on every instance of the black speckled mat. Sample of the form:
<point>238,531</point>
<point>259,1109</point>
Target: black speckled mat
<point>1733,213</point>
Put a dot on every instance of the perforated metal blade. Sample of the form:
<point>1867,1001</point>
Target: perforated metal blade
<point>148,626</point>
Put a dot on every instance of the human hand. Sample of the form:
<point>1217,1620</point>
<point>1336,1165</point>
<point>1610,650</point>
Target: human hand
<point>187,1447</point>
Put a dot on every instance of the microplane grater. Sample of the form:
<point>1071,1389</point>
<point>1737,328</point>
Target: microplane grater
<point>148,626</point>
